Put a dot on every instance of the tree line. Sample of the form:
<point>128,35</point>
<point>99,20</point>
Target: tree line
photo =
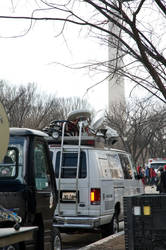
<point>141,124</point>
<point>26,107</point>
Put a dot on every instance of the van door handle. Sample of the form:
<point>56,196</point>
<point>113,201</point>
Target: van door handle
<point>81,205</point>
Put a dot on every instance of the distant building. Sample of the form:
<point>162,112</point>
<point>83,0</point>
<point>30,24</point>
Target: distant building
<point>116,85</point>
<point>116,91</point>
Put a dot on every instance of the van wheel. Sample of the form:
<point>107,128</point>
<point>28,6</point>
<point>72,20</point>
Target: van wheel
<point>111,228</point>
<point>10,247</point>
<point>115,224</point>
<point>57,241</point>
<point>17,226</point>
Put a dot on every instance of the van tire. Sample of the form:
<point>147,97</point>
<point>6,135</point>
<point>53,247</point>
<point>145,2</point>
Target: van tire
<point>57,241</point>
<point>111,228</point>
<point>115,224</point>
<point>11,247</point>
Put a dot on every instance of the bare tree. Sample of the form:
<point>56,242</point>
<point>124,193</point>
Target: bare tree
<point>25,107</point>
<point>18,102</point>
<point>139,34</point>
<point>72,103</point>
<point>140,128</point>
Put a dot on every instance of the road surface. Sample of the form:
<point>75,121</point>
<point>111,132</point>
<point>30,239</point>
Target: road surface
<point>76,241</point>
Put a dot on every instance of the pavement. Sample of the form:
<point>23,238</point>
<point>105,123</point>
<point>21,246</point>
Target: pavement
<point>115,241</point>
<point>151,189</point>
<point>112,242</point>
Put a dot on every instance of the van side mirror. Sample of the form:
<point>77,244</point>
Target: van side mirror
<point>9,165</point>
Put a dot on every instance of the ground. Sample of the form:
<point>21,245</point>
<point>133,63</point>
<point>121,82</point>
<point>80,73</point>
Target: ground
<point>117,242</point>
<point>110,243</point>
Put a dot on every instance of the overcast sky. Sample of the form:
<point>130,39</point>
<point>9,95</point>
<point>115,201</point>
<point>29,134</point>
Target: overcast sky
<point>35,57</point>
<point>39,55</point>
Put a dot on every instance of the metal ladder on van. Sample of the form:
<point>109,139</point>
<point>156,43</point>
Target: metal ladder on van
<point>61,166</point>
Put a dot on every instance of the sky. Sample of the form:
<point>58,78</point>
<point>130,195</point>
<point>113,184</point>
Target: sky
<point>39,57</point>
<point>35,58</point>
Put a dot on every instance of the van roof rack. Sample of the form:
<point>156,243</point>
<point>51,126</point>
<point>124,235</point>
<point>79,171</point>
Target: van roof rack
<point>89,138</point>
<point>96,135</point>
<point>91,141</point>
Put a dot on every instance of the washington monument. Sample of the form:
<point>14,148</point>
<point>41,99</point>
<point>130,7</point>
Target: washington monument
<point>116,85</point>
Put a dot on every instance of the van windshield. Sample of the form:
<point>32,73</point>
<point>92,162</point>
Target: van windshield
<point>12,164</point>
<point>69,165</point>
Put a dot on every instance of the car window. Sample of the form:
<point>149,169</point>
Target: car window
<point>103,165</point>
<point>69,165</point>
<point>40,165</point>
<point>12,165</point>
<point>110,165</point>
<point>115,166</point>
<point>126,166</point>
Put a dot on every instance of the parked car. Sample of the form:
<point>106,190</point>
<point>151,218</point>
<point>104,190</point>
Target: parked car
<point>28,189</point>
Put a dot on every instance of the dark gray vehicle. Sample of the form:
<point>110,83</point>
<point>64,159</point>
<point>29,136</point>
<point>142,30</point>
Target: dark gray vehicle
<point>28,188</point>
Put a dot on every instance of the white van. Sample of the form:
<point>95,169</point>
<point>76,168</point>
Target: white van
<point>91,181</point>
<point>156,163</point>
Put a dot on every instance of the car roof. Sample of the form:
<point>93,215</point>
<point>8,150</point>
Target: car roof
<point>26,132</point>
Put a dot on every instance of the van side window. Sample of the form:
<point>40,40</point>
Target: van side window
<point>40,165</point>
<point>103,163</point>
<point>115,166</point>
<point>69,165</point>
<point>126,166</point>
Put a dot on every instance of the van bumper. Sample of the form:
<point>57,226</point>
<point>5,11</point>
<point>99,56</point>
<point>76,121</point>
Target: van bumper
<point>77,222</point>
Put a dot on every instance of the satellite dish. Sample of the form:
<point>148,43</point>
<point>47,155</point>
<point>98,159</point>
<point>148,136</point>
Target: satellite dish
<point>81,115</point>
<point>111,132</point>
<point>4,132</point>
<point>95,125</point>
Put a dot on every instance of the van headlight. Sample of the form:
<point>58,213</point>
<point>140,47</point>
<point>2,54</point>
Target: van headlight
<point>55,135</point>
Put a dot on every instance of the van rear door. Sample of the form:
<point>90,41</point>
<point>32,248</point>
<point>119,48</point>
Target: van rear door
<point>73,191</point>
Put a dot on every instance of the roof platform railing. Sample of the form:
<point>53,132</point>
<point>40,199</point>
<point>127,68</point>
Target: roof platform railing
<point>92,134</point>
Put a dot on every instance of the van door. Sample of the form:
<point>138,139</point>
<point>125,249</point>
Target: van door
<point>73,192</point>
<point>112,182</point>
<point>117,177</point>
<point>106,185</point>
<point>132,186</point>
<point>43,195</point>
